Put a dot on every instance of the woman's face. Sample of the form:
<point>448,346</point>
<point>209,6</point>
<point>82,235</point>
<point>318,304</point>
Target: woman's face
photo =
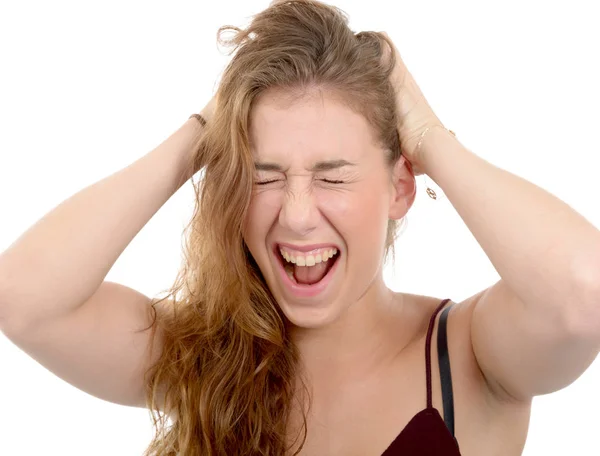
<point>322,187</point>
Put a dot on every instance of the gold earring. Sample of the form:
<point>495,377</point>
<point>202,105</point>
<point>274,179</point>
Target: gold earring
<point>430,191</point>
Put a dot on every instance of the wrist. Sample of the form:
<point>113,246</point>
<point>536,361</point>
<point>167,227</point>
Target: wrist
<point>190,133</point>
<point>206,114</point>
<point>193,123</point>
<point>200,119</point>
<point>436,143</point>
<point>207,111</point>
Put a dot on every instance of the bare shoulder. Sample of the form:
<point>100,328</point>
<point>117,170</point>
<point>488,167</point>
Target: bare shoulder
<point>465,369</point>
<point>478,410</point>
<point>482,419</point>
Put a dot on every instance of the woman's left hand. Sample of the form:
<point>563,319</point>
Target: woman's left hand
<point>414,111</point>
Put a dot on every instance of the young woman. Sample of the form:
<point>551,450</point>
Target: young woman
<point>280,336</point>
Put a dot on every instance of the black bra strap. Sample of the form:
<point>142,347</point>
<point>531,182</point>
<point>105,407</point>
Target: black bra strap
<point>445,375</point>
<point>428,351</point>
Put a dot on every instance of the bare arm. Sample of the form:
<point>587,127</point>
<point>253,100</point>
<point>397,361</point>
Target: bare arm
<point>61,261</point>
<point>100,347</point>
<point>54,302</point>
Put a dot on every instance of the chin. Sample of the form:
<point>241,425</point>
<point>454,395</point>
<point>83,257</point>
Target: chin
<point>310,317</point>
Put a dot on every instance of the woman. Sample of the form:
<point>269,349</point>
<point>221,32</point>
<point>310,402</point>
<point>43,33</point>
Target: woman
<point>280,336</point>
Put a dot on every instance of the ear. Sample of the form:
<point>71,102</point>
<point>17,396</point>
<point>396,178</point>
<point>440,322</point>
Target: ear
<point>403,189</point>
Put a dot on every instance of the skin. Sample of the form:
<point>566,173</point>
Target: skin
<point>361,344</point>
<point>348,324</point>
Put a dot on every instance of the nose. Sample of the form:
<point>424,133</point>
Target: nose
<point>299,213</point>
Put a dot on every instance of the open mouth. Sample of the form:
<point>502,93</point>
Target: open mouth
<point>308,270</point>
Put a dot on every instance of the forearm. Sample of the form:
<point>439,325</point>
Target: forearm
<point>58,263</point>
<point>545,251</point>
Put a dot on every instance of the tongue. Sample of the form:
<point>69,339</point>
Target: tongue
<point>308,275</point>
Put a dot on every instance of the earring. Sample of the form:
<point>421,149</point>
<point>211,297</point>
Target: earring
<point>431,192</point>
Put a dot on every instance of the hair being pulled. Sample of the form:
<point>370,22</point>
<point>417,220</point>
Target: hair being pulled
<point>228,373</point>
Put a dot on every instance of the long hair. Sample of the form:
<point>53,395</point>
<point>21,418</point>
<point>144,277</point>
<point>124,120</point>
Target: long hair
<point>228,369</point>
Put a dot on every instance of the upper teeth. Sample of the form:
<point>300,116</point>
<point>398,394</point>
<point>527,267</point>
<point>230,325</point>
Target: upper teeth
<point>308,259</point>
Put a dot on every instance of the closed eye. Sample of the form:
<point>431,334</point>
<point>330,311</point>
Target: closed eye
<point>327,181</point>
<point>267,182</point>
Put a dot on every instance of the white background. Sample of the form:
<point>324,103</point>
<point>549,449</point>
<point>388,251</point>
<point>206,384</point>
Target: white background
<point>86,88</point>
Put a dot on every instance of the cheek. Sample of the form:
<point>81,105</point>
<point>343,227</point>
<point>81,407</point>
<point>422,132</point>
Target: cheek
<point>264,206</point>
<point>359,212</point>
<point>263,209</point>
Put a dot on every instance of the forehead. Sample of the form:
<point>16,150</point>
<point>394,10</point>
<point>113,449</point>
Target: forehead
<point>317,126</point>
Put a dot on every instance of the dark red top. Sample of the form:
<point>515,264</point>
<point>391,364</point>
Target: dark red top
<point>427,434</point>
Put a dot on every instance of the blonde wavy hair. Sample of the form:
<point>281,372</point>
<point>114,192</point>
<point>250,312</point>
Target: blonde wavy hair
<point>227,362</point>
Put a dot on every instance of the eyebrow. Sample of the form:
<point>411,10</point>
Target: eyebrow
<point>319,166</point>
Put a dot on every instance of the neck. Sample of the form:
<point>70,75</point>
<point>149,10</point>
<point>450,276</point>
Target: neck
<point>357,343</point>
